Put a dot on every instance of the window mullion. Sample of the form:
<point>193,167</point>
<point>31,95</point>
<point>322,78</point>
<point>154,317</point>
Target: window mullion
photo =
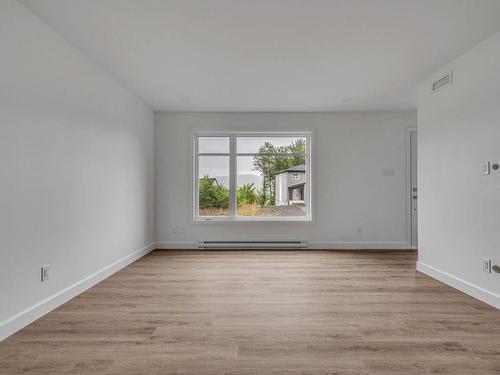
<point>232,176</point>
<point>196,208</point>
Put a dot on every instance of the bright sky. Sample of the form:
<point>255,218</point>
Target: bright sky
<point>218,166</point>
<point>243,144</point>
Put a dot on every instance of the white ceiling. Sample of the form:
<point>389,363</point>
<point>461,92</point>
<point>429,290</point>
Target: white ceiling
<point>272,55</point>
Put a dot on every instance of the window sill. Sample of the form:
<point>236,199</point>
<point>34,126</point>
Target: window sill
<point>243,219</point>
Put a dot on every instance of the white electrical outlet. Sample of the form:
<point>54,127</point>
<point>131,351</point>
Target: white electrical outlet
<point>485,167</point>
<point>178,229</point>
<point>45,272</point>
<point>486,265</point>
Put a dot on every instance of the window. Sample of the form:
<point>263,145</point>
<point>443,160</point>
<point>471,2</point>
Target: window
<point>252,176</point>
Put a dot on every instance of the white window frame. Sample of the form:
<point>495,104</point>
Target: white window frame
<point>233,171</point>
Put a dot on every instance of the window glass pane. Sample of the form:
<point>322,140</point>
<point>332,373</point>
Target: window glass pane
<point>213,185</point>
<point>271,145</point>
<point>213,145</point>
<point>271,186</point>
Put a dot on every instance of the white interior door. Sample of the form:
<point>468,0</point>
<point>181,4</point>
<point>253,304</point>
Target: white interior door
<point>413,188</point>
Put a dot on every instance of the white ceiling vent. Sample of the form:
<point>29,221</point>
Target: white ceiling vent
<point>443,82</point>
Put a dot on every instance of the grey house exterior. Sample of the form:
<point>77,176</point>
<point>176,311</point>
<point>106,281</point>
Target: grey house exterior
<point>290,186</point>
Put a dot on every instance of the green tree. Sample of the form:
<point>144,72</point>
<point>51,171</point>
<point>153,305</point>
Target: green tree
<point>273,159</point>
<point>266,163</point>
<point>246,195</point>
<point>298,147</point>
<point>211,194</point>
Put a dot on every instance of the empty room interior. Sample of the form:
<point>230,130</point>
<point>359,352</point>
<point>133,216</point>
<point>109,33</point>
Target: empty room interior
<point>302,187</point>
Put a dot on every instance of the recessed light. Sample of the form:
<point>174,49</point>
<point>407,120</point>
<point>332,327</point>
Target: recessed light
<point>186,100</point>
<point>346,100</point>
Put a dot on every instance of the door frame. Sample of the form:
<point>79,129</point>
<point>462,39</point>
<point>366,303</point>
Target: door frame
<point>408,191</point>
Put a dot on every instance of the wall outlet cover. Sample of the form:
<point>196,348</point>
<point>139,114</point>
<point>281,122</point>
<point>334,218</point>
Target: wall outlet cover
<point>45,272</point>
<point>485,168</point>
<point>486,263</point>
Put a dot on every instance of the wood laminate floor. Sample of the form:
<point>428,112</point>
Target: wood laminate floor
<point>263,312</point>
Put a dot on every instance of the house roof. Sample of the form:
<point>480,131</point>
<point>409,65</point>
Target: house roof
<point>211,179</point>
<point>297,168</point>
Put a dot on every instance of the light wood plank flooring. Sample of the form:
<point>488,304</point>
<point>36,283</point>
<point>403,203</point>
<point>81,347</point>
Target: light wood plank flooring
<point>263,312</point>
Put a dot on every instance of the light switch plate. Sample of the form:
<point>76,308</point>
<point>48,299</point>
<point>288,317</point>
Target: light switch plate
<point>486,265</point>
<point>485,167</point>
<point>45,272</point>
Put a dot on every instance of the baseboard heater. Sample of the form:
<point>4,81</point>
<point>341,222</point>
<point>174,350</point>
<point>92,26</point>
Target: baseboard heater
<point>252,244</point>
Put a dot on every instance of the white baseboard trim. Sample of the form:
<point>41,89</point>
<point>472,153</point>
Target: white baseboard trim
<point>32,313</point>
<point>166,245</point>
<point>172,245</point>
<point>466,287</point>
<point>360,245</point>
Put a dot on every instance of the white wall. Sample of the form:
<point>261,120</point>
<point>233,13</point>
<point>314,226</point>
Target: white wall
<point>459,209</point>
<point>350,152</point>
<point>76,167</point>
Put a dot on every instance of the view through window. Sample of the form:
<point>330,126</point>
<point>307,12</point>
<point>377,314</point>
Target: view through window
<point>252,176</point>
